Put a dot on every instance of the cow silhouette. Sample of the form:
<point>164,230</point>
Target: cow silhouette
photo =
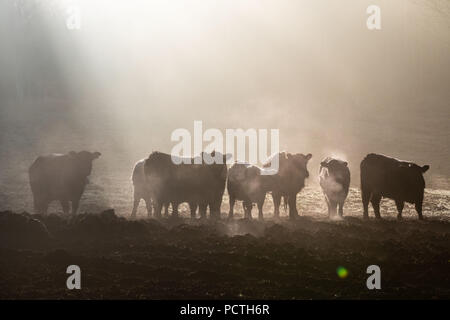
<point>199,184</point>
<point>60,177</point>
<point>383,176</point>
<point>334,179</point>
<point>289,180</point>
<point>247,183</point>
<point>141,190</point>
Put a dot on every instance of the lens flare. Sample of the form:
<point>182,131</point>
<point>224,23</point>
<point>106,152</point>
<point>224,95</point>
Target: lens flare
<point>342,272</point>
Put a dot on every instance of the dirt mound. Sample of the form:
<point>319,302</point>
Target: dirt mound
<point>21,230</point>
<point>24,230</point>
<point>105,226</point>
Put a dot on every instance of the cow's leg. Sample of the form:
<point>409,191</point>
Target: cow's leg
<point>285,203</point>
<point>193,209</point>
<point>418,206</point>
<point>260,209</point>
<point>232,202</point>
<point>202,210</point>
<point>400,204</point>
<point>365,196</point>
<point>136,200</point>
<point>376,198</point>
<point>341,209</point>
<point>292,201</point>
<point>157,207</point>
<point>175,209</point>
<point>45,204</point>
<point>328,206</point>
<point>276,204</point>
<point>41,205</point>
<point>333,208</point>
<point>65,206</point>
<point>166,209</point>
<point>75,205</point>
<point>148,205</point>
<point>38,205</point>
<point>214,209</point>
<point>247,209</point>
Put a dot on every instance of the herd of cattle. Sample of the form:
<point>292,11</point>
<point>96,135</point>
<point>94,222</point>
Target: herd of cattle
<point>160,183</point>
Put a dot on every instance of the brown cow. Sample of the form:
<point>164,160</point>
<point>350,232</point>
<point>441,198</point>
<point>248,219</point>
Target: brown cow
<point>60,177</point>
<point>382,176</point>
<point>141,190</point>
<point>199,185</point>
<point>247,183</point>
<point>289,180</point>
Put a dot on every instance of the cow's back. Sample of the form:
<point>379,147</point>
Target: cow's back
<point>382,175</point>
<point>184,182</point>
<point>53,176</point>
<point>138,176</point>
<point>48,170</point>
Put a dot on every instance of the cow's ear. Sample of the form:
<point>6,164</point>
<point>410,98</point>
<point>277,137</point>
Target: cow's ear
<point>308,156</point>
<point>324,164</point>
<point>425,168</point>
<point>95,155</point>
<point>345,163</point>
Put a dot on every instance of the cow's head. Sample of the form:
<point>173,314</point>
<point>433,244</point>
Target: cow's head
<point>83,161</point>
<point>333,164</point>
<point>413,173</point>
<point>299,161</point>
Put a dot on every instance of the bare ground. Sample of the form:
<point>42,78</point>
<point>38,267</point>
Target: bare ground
<point>239,259</point>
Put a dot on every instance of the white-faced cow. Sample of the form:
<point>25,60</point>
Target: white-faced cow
<point>61,177</point>
<point>247,183</point>
<point>334,179</point>
<point>382,176</point>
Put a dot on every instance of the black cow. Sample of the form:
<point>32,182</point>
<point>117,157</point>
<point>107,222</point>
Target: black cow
<point>141,190</point>
<point>199,184</point>
<point>60,177</point>
<point>247,183</point>
<point>382,176</point>
<point>334,179</point>
<point>289,180</point>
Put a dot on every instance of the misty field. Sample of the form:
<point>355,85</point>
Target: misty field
<point>239,259</point>
<point>136,71</point>
<point>184,259</point>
